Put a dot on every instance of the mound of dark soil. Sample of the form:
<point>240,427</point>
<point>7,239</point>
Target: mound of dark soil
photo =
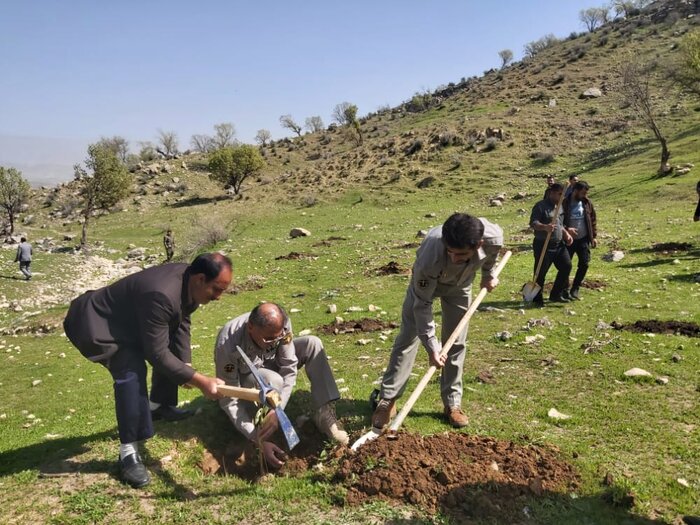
<point>361,325</point>
<point>328,242</point>
<point>254,282</point>
<point>455,472</point>
<point>660,327</point>
<point>409,245</point>
<point>294,256</point>
<point>391,268</point>
<point>671,247</point>
<point>594,284</point>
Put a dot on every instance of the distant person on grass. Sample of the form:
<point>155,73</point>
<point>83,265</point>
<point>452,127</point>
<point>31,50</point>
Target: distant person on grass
<point>24,258</point>
<point>447,263</point>
<point>542,220</point>
<point>146,317</point>
<point>265,335</point>
<point>696,217</point>
<point>550,181</point>
<point>169,243</point>
<point>580,222</point>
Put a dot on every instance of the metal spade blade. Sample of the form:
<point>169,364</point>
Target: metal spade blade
<point>287,429</point>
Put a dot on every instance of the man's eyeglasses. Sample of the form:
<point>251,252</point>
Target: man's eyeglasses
<point>285,338</point>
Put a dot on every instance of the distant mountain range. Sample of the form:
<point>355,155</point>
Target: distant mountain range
<point>42,160</point>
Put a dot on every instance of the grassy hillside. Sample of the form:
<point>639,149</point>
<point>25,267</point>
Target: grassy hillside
<point>363,208</point>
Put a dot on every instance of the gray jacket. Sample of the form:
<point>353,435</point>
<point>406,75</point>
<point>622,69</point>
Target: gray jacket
<point>24,252</point>
<point>434,276</point>
<point>230,366</point>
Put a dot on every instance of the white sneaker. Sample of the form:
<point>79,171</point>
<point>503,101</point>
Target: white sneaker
<point>327,422</point>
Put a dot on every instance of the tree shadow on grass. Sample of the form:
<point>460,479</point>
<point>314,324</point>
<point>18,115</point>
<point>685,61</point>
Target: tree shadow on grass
<point>197,201</point>
<point>12,277</point>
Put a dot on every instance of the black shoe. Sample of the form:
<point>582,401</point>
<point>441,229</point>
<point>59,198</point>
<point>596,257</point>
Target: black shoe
<point>168,413</point>
<point>559,299</point>
<point>691,520</point>
<point>566,295</point>
<point>133,471</point>
<point>574,294</point>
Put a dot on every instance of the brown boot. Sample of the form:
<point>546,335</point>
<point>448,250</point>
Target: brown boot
<point>456,416</point>
<point>385,411</point>
<point>327,422</point>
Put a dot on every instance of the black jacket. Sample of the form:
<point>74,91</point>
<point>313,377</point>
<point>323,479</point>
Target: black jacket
<point>147,312</point>
<point>588,212</point>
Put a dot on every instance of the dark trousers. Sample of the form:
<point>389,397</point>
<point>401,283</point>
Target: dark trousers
<point>582,249</point>
<point>558,255</point>
<point>128,369</point>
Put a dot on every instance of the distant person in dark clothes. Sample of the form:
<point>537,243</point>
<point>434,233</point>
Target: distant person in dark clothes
<point>580,222</point>
<point>696,217</point>
<point>146,317</point>
<point>169,243</point>
<point>24,257</point>
<point>573,179</point>
<point>542,220</point>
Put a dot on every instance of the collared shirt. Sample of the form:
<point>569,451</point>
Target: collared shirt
<point>543,212</point>
<point>434,275</point>
<point>24,252</point>
<point>231,368</point>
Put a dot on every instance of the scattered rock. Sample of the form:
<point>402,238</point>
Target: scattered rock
<point>676,358</point>
<point>637,372</point>
<point>421,233</point>
<point>592,92</point>
<point>614,256</point>
<point>662,380</point>
<point>36,382</point>
<point>504,336</point>
<point>299,232</point>
<point>332,308</point>
<point>555,414</point>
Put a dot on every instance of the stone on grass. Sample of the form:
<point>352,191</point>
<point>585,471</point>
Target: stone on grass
<point>299,232</point>
<point>637,372</point>
<point>555,414</point>
<point>332,309</point>
<point>614,256</point>
<point>304,333</point>
<point>662,380</point>
<point>36,382</point>
<point>592,92</point>
<point>504,336</point>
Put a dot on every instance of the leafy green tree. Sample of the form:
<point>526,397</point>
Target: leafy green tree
<point>506,56</point>
<point>232,165</point>
<point>103,182</point>
<point>14,191</point>
<point>687,69</point>
<point>117,145</point>
<point>345,114</point>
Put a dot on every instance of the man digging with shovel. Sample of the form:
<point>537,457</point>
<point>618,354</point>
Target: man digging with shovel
<point>446,264</point>
<point>265,336</point>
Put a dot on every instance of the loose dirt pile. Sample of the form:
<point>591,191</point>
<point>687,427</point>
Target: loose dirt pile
<point>390,268</point>
<point>361,325</point>
<point>654,326</point>
<point>295,256</point>
<point>458,473</point>
<point>671,247</point>
<point>594,284</point>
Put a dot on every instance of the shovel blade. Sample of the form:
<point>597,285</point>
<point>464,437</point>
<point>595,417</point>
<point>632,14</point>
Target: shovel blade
<point>530,291</point>
<point>287,429</point>
<point>369,436</point>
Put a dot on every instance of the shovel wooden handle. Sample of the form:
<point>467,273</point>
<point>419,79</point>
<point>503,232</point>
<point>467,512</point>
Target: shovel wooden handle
<point>248,394</point>
<point>555,220</point>
<point>446,347</point>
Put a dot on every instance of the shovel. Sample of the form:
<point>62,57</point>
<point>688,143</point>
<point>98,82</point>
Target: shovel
<point>267,396</point>
<point>398,420</point>
<point>531,289</point>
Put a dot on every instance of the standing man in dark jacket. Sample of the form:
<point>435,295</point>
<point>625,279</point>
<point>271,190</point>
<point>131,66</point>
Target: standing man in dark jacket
<point>580,222</point>
<point>542,220</point>
<point>24,257</point>
<point>146,317</point>
<point>696,217</point>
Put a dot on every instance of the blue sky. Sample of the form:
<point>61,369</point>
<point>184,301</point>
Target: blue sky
<point>78,70</point>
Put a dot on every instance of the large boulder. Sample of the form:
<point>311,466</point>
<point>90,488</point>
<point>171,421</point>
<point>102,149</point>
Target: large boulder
<point>591,93</point>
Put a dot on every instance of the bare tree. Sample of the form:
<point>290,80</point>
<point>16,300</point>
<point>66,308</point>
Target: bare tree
<point>532,48</point>
<point>506,56</point>
<point>168,142</point>
<point>201,143</point>
<point>345,114</point>
<point>590,18</point>
<point>263,136</point>
<point>147,151</point>
<point>314,124</point>
<point>224,135</point>
<point>117,145</point>
<point>288,122</point>
<point>635,89</point>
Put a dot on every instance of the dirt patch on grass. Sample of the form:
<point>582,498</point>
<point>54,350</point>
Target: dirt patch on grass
<point>594,284</point>
<point>249,284</point>
<point>461,474</point>
<point>408,245</point>
<point>329,241</point>
<point>660,327</point>
<point>295,256</point>
<point>361,325</point>
<point>390,268</point>
<point>671,247</point>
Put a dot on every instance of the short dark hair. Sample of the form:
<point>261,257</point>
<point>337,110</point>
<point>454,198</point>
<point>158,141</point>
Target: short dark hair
<point>210,264</point>
<point>697,186</point>
<point>462,231</point>
<point>556,187</point>
<point>581,185</point>
<point>572,176</point>
<point>23,239</point>
<point>262,315</point>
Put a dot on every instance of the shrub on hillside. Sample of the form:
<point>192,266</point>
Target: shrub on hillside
<point>490,144</point>
<point>542,157</point>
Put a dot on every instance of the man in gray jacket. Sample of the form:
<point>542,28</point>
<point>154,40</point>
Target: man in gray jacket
<point>24,257</point>
<point>146,317</point>
<point>265,335</point>
<point>446,264</point>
